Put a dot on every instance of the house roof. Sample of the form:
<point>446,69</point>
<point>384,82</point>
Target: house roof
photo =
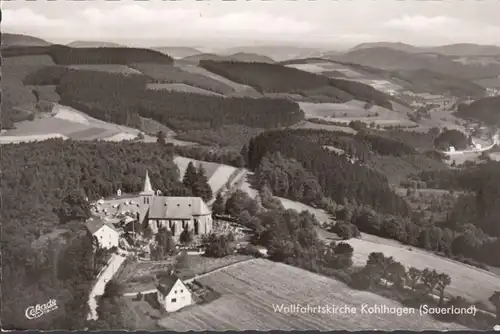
<point>95,224</point>
<point>163,207</point>
<point>167,283</point>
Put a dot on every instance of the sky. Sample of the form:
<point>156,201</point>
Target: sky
<point>325,23</point>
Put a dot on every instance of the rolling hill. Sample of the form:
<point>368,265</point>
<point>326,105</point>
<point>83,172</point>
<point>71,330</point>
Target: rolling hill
<point>419,80</point>
<point>276,52</point>
<point>94,44</point>
<point>239,57</point>
<point>278,79</point>
<point>486,110</point>
<point>390,59</point>
<point>177,52</point>
<point>13,40</point>
<point>459,49</point>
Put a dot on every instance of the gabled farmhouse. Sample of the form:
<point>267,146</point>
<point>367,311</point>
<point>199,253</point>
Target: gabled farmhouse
<point>174,213</point>
<point>173,294</point>
<point>105,233</point>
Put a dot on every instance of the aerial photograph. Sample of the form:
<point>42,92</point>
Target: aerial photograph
<point>250,165</point>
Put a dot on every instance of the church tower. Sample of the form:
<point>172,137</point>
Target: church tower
<point>147,191</point>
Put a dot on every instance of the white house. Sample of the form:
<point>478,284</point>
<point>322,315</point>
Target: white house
<point>173,294</point>
<point>105,233</point>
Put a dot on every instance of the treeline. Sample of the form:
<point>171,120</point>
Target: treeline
<point>340,179</point>
<point>121,100</point>
<point>37,180</point>
<point>289,236</point>
<point>449,138</point>
<point>64,55</point>
<point>484,110</point>
<point>480,205</point>
<point>274,78</point>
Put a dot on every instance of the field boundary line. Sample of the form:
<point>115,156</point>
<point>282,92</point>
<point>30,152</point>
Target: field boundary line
<point>189,280</point>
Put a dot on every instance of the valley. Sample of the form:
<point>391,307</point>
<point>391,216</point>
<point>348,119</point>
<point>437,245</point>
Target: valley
<point>371,174</point>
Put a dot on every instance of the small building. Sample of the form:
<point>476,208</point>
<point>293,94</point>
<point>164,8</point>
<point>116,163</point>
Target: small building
<point>106,234</point>
<point>173,294</point>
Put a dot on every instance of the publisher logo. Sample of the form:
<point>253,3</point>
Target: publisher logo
<point>36,311</point>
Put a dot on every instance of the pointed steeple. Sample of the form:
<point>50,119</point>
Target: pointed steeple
<point>148,190</point>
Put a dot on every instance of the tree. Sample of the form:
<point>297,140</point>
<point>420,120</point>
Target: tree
<point>414,276</point>
<point>219,206</point>
<point>200,187</point>
<point>186,236</point>
<point>218,246</point>
<point>190,176</point>
<point>166,244</point>
<point>36,94</point>
<point>443,281</point>
<point>245,218</point>
<point>182,262</point>
<point>376,266</point>
<point>113,290</point>
<point>495,300</point>
<point>160,138</point>
<point>74,207</point>
<point>430,280</point>
<point>396,274</point>
<point>244,154</point>
<point>236,203</point>
<point>140,136</point>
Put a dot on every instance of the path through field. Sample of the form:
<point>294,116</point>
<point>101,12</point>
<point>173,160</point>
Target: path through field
<point>106,275</point>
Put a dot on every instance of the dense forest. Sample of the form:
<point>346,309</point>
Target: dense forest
<point>340,178</point>
<point>480,205</point>
<point>38,179</point>
<point>122,99</point>
<point>291,164</point>
<point>449,138</point>
<point>64,55</point>
<point>273,78</point>
<point>484,110</point>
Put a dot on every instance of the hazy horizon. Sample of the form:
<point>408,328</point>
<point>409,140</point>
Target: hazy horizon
<point>215,24</point>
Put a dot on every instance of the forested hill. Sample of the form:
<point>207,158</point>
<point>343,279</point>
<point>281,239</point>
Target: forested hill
<point>485,110</point>
<point>482,209</point>
<point>39,179</point>
<point>339,178</point>
<point>64,55</point>
<point>122,99</point>
<point>275,78</point>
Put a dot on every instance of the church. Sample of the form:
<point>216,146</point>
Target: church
<point>174,213</point>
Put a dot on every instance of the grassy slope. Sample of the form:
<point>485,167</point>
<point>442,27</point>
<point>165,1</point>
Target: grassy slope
<point>249,291</point>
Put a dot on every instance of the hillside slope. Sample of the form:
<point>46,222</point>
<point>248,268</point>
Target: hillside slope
<point>391,59</point>
<point>13,40</point>
<point>459,49</point>
<point>94,44</point>
<point>274,78</point>
<point>486,110</point>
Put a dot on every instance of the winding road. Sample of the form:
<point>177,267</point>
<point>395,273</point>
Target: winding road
<point>104,277</point>
<point>495,139</point>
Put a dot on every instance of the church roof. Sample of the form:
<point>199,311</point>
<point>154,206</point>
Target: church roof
<point>163,207</point>
<point>148,189</point>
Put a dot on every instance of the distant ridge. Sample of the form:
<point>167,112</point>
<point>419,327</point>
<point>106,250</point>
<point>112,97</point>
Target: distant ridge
<point>177,52</point>
<point>276,52</point>
<point>239,57</point>
<point>94,44</point>
<point>16,40</point>
<point>458,49</point>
